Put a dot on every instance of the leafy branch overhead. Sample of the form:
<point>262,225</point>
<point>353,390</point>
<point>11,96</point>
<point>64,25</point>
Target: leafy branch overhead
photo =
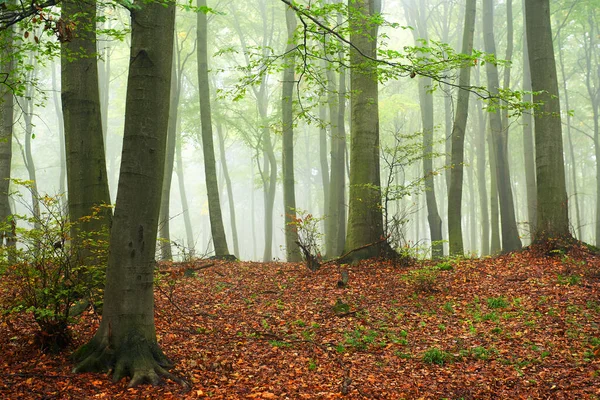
<point>321,38</point>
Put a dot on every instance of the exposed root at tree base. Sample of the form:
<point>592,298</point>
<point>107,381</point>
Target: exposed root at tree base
<point>137,358</point>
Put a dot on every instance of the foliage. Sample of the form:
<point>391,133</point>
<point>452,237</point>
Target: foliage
<point>50,271</point>
<point>309,238</point>
<point>436,356</point>
<point>423,279</point>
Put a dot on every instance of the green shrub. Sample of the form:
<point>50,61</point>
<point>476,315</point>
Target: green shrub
<point>423,279</point>
<point>436,356</point>
<point>497,302</point>
<point>47,272</point>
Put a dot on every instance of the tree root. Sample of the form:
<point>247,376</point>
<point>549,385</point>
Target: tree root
<point>136,357</point>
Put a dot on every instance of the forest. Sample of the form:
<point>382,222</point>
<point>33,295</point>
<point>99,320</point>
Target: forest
<point>299,199</point>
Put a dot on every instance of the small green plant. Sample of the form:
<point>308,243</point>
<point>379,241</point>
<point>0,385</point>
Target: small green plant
<point>480,353</point>
<point>279,343</point>
<point>436,356</point>
<point>570,280</point>
<point>309,237</point>
<point>360,339</point>
<point>497,302</point>
<point>445,266</point>
<point>312,365</point>
<point>423,279</point>
<point>50,271</point>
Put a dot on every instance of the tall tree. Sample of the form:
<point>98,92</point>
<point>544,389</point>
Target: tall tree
<point>510,233</point>
<point>6,125</point>
<point>287,110</point>
<point>87,180</point>
<point>126,342</point>
<point>415,11</point>
<point>552,206</point>
<point>458,138</point>
<point>210,168</point>
<point>528,149</point>
<point>365,219</point>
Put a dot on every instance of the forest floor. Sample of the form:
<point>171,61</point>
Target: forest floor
<point>522,325</point>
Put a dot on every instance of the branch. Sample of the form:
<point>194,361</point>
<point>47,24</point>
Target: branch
<point>11,15</point>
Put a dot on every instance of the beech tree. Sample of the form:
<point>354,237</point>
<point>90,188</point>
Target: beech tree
<point>365,219</point>
<point>87,180</point>
<point>552,206</point>
<point>126,342</point>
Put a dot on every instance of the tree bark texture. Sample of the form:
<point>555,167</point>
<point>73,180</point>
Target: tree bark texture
<point>87,181</point>
<point>126,340</point>
<point>552,206</point>
<point>510,233</point>
<point>458,139</point>
<point>210,171</point>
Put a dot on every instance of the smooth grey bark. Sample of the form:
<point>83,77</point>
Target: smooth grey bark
<point>229,186</point>
<point>481,177</point>
<point>87,180</point>
<point>509,230</point>
<point>573,162</point>
<point>528,147</point>
<point>592,83</point>
<point>27,104</point>
<point>495,244</point>
<point>189,231</point>
<point>126,342</point>
<point>164,231</point>
<point>210,171</point>
<point>418,19</point>
<point>6,131</point>
<point>458,138</point>
<point>365,218</point>
<point>552,205</point>
<point>62,177</point>
<point>269,172</point>
<point>287,110</point>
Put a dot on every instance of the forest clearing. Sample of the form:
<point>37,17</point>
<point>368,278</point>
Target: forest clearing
<point>521,325</point>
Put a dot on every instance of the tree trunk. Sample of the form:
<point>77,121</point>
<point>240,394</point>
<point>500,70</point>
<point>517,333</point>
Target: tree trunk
<point>62,177</point>
<point>528,149</point>
<point>510,233</point>
<point>164,232</point>
<point>552,206</point>
<point>365,218</point>
<point>6,132</point>
<point>210,172</point>
<point>87,180</point>
<point>481,177</point>
<point>578,225</point>
<point>458,139</point>
<point>416,15</point>
<point>287,100</point>
<point>125,342</point>
<point>232,217</point>
<point>189,231</point>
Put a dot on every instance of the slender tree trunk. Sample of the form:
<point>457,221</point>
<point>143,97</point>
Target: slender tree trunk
<point>552,206</point>
<point>495,245</point>
<point>164,233</point>
<point>510,233</point>
<point>62,177</point>
<point>458,139</point>
<point>528,148</point>
<point>230,198</point>
<point>126,342</point>
<point>189,231</point>
<point>416,14</point>
<point>212,189</point>
<point>324,164</point>
<point>287,100</point>
<point>481,178</point>
<point>6,132</point>
<point>87,179</point>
